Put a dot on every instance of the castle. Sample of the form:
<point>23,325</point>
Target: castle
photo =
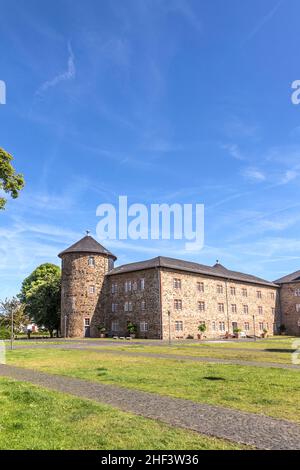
<point>168,298</point>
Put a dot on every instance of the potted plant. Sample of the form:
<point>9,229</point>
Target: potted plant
<point>201,329</point>
<point>236,332</point>
<point>264,333</point>
<point>102,331</point>
<point>131,328</point>
<point>282,329</point>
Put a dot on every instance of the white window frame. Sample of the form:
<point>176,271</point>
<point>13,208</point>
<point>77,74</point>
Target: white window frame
<point>91,261</point>
<point>144,327</point>
<point>142,283</point>
<point>115,325</point>
<point>178,325</point>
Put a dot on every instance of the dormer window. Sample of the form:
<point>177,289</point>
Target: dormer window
<point>91,261</point>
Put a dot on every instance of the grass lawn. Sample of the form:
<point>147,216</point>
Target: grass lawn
<point>34,418</point>
<point>280,355</point>
<point>269,391</point>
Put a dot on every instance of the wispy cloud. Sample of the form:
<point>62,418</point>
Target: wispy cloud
<point>234,151</point>
<point>254,175</point>
<point>263,21</point>
<point>69,74</point>
<point>289,175</point>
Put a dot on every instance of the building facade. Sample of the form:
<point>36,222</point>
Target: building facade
<point>289,298</point>
<point>168,298</point>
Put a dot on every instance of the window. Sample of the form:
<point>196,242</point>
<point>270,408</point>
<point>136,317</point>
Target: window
<point>273,311</point>
<point>260,310</point>
<point>261,326</point>
<point>127,286</point>
<point>91,261</point>
<point>233,308</point>
<point>92,289</point>
<point>114,307</point>
<point>110,264</point>
<point>86,322</point>
<point>234,325</point>
<point>258,294</point>
<point>245,309</point>
<point>143,305</point>
<point>219,289</point>
<point>134,285</point>
<point>201,306</point>
<point>298,308</point>
<point>130,306</point>
<point>178,326</point>
<point>178,304</point>
<point>115,326</point>
<point>177,283</point>
<point>213,326</point>
<point>246,326</point>
<point>143,326</point>
<point>244,292</point>
<point>142,283</point>
<point>221,326</point>
<point>114,288</point>
<point>297,292</point>
<point>272,295</point>
<point>232,291</point>
<point>221,308</point>
<point>200,286</point>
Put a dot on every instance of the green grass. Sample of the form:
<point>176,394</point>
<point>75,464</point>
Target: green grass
<point>33,418</point>
<point>270,391</point>
<point>281,357</point>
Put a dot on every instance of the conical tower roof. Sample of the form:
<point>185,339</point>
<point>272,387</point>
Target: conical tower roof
<point>87,245</point>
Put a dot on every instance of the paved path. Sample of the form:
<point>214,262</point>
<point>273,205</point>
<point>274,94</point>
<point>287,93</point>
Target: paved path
<point>255,430</point>
<point>176,357</point>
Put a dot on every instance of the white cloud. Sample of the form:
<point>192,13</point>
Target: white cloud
<point>234,151</point>
<point>254,175</point>
<point>69,74</point>
<point>289,175</point>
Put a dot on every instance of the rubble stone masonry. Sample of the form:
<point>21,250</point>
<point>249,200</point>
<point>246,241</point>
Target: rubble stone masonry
<point>290,307</point>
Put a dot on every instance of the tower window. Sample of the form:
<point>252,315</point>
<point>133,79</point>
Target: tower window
<point>92,290</point>
<point>91,261</point>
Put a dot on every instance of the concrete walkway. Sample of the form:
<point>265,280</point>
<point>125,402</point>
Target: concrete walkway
<point>255,430</point>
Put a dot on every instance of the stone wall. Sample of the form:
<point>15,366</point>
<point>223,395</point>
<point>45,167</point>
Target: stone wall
<point>149,295</point>
<point>288,300</point>
<point>78,302</point>
<point>191,316</point>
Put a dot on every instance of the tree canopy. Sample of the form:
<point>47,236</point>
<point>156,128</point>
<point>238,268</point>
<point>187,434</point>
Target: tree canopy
<point>15,307</point>
<point>10,181</point>
<point>40,293</point>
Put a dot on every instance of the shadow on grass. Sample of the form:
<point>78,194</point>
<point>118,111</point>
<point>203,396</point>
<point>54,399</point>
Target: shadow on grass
<point>213,378</point>
<point>275,350</point>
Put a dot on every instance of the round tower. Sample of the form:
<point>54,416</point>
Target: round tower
<point>84,266</point>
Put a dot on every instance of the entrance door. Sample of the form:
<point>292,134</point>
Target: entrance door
<point>87,330</point>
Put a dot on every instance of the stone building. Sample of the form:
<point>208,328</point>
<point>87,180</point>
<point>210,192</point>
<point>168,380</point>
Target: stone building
<point>166,297</point>
<point>289,298</point>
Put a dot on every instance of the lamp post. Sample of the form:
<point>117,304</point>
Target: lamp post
<point>12,330</point>
<point>254,333</point>
<point>169,317</point>
<point>65,327</point>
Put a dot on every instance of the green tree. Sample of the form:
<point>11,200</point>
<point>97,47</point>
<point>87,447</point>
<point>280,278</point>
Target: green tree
<point>10,181</point>
<point>15,307</point>
<point>41,295</point>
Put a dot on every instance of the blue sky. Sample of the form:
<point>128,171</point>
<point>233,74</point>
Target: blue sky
<point>183,101</point>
